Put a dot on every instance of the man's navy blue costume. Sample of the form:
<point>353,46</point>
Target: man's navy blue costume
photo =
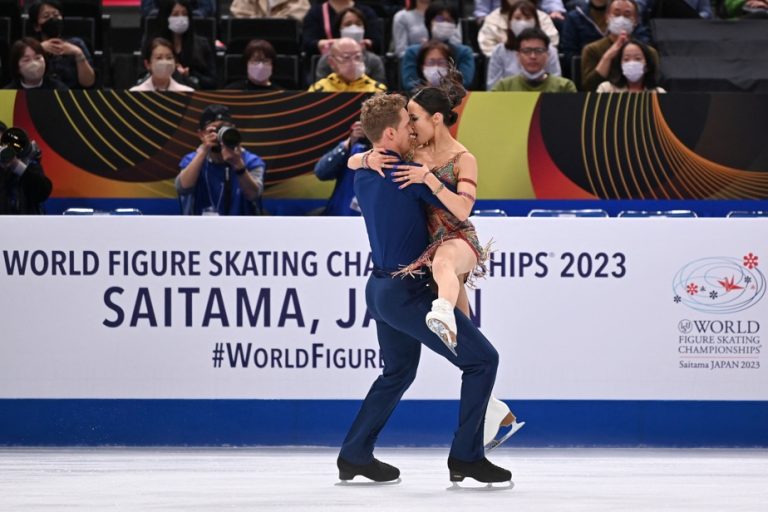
<point>397,230</point>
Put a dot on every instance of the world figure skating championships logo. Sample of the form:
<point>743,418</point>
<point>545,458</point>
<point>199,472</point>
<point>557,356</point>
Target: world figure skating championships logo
<point>720,284</point>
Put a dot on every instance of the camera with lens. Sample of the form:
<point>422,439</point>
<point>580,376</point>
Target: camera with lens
<point>229,137</point>
<point>15,143</point>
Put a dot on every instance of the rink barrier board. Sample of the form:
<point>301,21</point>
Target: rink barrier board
<point>556,423</point>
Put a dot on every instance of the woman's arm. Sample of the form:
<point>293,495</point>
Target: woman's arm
<point>459,203</point>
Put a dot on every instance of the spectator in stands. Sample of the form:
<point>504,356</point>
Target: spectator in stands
<point>160,62</point>
<point>295,9</point>
<point>441,20</point>
<point>505,60</point>
<point>555,9</point>
<point>496,27</point>
<point>587,22</point>
<point>333,166</point>
<point>622,20</point>
<point>318,34</point>
<point>28,67</point>
<point>258,59</point>
<point>195,62</point>
<point>533,48</point>
<point>68,59</point>
<point>346,60</point>
<point>202,8</point>
<point>23,184</point>
<point>217,179</point>
<point>408,27</point>
<point>432,63</point>
<point>632,70</point>
<point>351,23</point>
<point>746,8</point>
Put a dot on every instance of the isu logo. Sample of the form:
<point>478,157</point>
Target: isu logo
<point>720,284</point>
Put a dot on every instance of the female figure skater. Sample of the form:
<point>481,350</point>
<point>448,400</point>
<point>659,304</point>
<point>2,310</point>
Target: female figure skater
<point>454,254</point>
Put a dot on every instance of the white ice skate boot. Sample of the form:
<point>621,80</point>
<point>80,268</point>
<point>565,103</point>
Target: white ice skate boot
<point>442,322</point>
<point>497,428</point>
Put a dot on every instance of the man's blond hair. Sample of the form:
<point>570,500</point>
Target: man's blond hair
<point>380,112</point>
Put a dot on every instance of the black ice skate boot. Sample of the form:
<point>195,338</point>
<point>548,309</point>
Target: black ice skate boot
<point>377,471</point>
<point>481,470</point>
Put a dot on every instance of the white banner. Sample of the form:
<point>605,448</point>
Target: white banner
<point>274,308</point>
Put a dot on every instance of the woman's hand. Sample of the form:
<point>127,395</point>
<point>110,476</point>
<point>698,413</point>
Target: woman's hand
<point>408,174</point>
<point>378,161</point>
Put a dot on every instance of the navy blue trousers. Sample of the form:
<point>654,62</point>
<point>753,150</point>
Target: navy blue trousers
<point>399,306</point>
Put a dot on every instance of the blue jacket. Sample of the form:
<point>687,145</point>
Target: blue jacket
<point>395,218</point>
<point>333,166</point>
<point>210,190</point>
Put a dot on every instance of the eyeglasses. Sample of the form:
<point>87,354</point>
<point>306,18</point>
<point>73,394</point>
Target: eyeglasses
<point>533,51</point>
<point>357,57</point>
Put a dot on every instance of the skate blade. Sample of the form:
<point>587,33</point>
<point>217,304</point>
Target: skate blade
<point>499,486</point>
<point>445,334</point>
<point>365,483</point>
<point>497,442</point>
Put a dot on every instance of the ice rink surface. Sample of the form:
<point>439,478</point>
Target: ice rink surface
<point>305,479</point>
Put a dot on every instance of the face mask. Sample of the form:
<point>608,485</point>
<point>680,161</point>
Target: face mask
<point>619,24</point>
<point>163,69</point>
<point>443,30</point>
<point>633,70</point>
<point>434,74</point>
<point>518,26</point>
<point>532,77</point>
<point>259,72</point>
<point>33,70</point>
<point>359,69</point>
<point>52,28</point>
<point>355,32</point>
<point>178,24</point>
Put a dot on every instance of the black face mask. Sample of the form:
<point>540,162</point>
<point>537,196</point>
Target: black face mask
<point>52,28</point>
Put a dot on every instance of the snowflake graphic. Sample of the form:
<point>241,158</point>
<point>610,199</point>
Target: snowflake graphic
<point>677,299</point>
<point>750,261</point>
<point>692,289</point>
<point>747,279</point>
<point>713,295</point>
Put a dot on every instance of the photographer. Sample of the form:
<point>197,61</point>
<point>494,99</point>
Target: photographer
<point>23,185</point>
<point>333,166</point>
<point>220,177</point>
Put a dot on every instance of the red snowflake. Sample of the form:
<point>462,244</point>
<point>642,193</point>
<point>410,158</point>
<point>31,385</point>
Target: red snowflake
<point>692,289</point>
<point>750,261</point>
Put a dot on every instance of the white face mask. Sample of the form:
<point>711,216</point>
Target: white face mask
<point>178,24</point>
<point>518,26</point>
<point>443,30</point>
<point>619,24</point>
<point>359,69</point>
<point>532,77</point>
<point>633,70</point>
<point>355,32</point>
<point>33,70</point>
<point>163,69</point>
<point>433,74</point>
<point>259,72</point>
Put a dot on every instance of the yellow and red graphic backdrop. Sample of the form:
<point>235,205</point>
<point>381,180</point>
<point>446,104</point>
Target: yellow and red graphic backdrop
<point>117,144</point>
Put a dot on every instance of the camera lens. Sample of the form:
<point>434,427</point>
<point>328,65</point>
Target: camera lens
<point>229,137</point>
<point>6,154</point>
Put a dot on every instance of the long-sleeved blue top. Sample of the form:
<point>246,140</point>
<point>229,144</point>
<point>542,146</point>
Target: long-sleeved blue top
<point>395,219</point>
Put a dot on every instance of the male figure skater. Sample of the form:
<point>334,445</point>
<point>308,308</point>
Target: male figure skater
<point>397,231</point>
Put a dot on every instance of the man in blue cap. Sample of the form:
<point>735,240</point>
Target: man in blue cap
<point>397,231</point>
